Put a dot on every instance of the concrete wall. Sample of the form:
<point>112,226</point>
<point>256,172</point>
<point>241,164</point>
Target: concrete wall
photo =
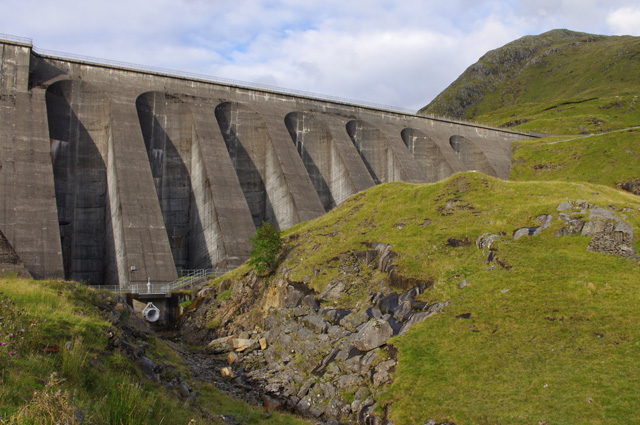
<point>114,175</point>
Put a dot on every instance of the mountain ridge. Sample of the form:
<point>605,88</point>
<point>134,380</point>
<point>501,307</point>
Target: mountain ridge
<point>556,67</point>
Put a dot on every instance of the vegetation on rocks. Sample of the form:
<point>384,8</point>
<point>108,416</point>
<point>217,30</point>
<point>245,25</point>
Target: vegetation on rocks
<point>266,246</point>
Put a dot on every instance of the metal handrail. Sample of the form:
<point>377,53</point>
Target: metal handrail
<point>22,40</point>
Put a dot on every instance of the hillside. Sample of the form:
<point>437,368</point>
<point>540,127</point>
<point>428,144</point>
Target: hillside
<point>559,82</point>
<point>506,302</point>
<point>73,355</point>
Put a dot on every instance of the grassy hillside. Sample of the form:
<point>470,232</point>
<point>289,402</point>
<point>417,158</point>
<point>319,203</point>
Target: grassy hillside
<point>612,159</point>
<point>559,82</point>
<point>58,364</point>
<point>549,333</point>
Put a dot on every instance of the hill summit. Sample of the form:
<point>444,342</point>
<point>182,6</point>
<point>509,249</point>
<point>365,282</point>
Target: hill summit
<point>561,82</point>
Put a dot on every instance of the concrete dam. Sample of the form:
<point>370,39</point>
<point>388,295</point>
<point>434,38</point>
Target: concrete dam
<point>113,175</point>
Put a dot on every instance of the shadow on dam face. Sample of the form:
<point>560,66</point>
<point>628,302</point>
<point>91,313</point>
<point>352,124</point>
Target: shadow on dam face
<point>78,117</point>
<point>427,153</point>
<point>314,144</point>
<point>252,155</point>
<point>373,148</point>
<point>471,155</point>
<point>168,133</point>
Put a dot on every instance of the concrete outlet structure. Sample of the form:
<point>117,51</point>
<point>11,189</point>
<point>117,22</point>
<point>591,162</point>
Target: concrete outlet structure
<point>112,175</point>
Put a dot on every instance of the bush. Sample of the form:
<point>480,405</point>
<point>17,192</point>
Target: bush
<point>266,246</point>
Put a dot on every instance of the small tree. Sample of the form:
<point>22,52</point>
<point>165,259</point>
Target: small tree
<point>266,246</point>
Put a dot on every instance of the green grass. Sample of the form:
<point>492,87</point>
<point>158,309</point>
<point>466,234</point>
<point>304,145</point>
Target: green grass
<point>609,159</point>
<point>53,337</point>
<point>554,338</point>
<point>395,213</point>
<point>559,82</point>
<point>564,333</point>
<point>571,116</point>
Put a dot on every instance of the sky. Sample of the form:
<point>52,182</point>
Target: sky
<point>397,53</point>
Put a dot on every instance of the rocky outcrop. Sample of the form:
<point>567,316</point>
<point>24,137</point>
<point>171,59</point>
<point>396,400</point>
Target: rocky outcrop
<point>303,354</point>
<point>608,232</point>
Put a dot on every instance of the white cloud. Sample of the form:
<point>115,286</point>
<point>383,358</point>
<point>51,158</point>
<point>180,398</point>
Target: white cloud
<point>625,21</point>
<point>401,53</point>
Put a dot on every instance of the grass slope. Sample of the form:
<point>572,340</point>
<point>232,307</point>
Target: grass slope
<point>54,359</point>
<point>611,159</point>
<point>559,82</point>
<point>554,338</point>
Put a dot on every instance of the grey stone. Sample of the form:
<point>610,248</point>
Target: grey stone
<point>316,323</point>
<point>485,240</point>
<point>353,320</point>
<point>463,284</point>
<point>148,367</point>
<point>601,214</point>
<point>416,318</point>
<point>373,335</point>
<point>573,225</point>
<point>565,206</point>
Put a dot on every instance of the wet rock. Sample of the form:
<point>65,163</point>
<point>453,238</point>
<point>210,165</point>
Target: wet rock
<point>373,335</point>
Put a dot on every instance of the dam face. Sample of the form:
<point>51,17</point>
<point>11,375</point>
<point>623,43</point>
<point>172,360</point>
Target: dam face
<point>112,175</point>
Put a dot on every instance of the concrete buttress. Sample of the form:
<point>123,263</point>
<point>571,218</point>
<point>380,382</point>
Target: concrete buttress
<point>144,238</point>
<point>112,174</point>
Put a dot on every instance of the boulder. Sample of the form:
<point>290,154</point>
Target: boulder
<point>572,226</point>
<point>220,345</point>
<point>485,240</point>
<point>315,323</point>
<point>148,367</point>
<point>374,334</point>
<point>243,344</point>
<point>352,321</point>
